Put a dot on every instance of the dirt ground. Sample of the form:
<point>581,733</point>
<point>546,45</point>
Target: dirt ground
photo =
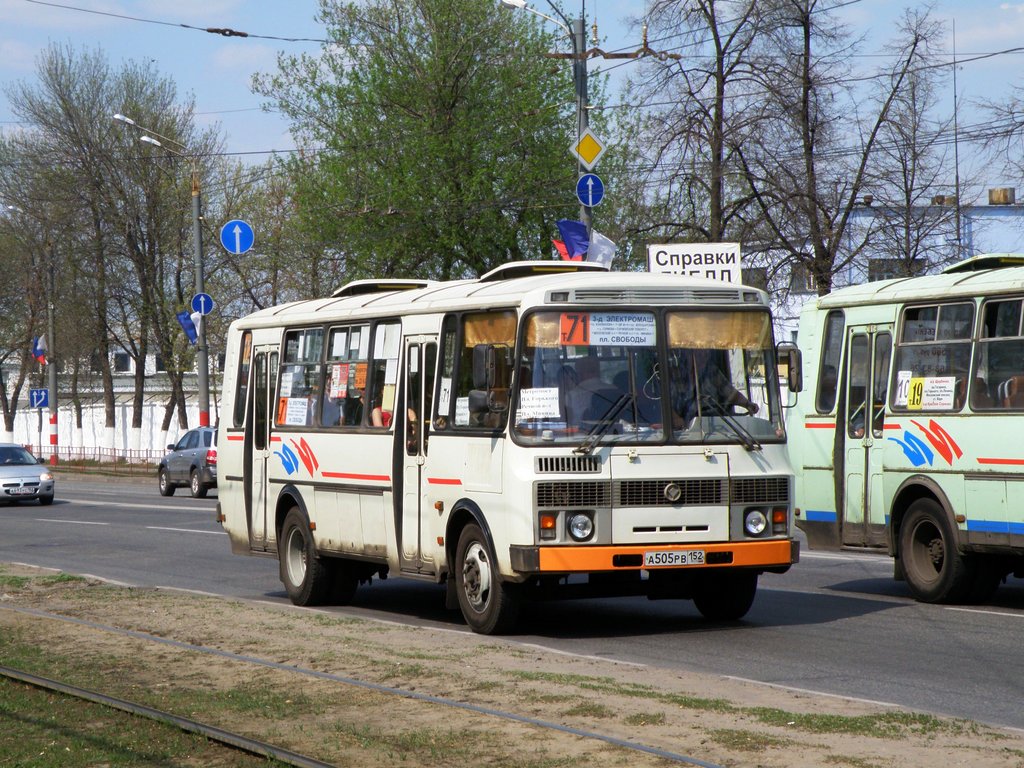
<point>482,700</point>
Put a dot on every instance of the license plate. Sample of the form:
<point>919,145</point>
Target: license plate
<point>22,491</point>
<point>670,557</point>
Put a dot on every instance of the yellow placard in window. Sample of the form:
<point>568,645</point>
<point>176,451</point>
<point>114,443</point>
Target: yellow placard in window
<point>915,394</point>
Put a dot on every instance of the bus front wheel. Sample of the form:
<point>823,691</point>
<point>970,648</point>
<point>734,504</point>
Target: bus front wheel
<point>725,595</point>
<point>307,578</point>
<point>489,604</point>
<point>935,571</point>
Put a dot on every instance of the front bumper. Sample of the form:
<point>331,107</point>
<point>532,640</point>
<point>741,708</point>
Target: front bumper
<point>775,553</point>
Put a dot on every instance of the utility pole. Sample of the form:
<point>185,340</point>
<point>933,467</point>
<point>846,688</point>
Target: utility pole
<point>51,354</point>
<point>202,349</point>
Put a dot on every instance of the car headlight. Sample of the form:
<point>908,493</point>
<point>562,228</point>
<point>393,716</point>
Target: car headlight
<point>581,526</point>
<point>45,476</point>
<point>755,522</point>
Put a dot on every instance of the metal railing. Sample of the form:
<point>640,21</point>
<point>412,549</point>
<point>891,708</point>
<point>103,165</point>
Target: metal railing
<point>102,461</point>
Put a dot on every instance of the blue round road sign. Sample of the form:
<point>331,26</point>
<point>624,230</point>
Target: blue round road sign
<point>202,303</point>
<point>237,236</point>
<point>590,190</point>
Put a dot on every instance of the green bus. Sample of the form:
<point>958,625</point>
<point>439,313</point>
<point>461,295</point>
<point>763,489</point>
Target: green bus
<point>906,439</point>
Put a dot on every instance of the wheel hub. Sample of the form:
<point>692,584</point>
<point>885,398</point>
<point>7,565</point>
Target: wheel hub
<point>476,576</point>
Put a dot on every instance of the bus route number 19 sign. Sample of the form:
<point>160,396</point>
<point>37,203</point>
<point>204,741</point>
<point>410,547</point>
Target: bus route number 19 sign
<point>628,329</point>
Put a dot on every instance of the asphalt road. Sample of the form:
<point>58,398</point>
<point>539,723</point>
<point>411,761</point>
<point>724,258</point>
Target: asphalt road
<point>837,623</point>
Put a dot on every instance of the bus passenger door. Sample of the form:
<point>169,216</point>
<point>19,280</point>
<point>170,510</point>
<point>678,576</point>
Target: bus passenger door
<point>420,362</point>
<point>258,436</point>
<point>869,350</point>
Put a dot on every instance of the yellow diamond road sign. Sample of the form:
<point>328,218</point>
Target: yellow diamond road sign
<point>588,149</point>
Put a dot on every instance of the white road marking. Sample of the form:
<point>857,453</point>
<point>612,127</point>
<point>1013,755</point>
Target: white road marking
<point>123,505</point>
<point>72,522</point>
<point>183,530</point>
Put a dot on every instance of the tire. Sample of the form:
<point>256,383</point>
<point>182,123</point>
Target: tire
<point>307,579</point>
<point>166,486</point>
<point>988,575</point>
<point>725,595</point>
<point>195,485</point>
<point>935,571</point>
<point>45,501</point>
<point>345,581</point>
<point>489,604</point>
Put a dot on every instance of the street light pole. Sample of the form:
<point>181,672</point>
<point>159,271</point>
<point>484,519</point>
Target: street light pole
<point>51,342</point>
<point>51,360</point>
<point>202,349</point>
<point>579,63</point>
<point>576,33</point>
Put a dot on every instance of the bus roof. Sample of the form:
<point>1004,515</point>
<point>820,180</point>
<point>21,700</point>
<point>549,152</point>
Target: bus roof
<point>986,274</point>
<point>520,285</point>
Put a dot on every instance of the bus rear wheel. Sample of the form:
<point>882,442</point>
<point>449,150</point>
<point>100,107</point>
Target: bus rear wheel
<point>307,579</point>
<point>725,595</point>
<point>935,571</point>
<point>489,605</point>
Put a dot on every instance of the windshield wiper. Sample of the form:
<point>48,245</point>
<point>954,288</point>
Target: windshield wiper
<point>603,424</point>
<point>748,440</point>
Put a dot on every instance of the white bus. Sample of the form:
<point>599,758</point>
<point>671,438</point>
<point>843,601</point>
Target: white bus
<point>530,433</point>
<point>907,443</point>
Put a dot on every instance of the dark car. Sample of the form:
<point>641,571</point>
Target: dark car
<point>192,462</point>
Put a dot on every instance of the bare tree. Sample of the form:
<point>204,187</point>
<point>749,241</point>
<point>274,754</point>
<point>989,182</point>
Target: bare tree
<point>699,107</point>
<point>811,164</point>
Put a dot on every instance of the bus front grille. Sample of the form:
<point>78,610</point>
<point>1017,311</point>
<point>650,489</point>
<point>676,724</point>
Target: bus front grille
<point>760,490</point>
<point>558,464</point>
<point>653,493</point>
<point>556,495</point>
<point>667,492</point>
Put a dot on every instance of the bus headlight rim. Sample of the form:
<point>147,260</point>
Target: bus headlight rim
<point>755,522</point>
<point>580,526</point>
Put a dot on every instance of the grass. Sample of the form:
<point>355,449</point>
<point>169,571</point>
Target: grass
<point>746,741</point>
<point>48,730</point>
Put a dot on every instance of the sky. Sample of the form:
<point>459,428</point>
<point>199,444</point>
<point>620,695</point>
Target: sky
<point>217,70</point>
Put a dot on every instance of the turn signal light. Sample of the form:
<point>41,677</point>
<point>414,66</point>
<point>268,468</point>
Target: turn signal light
<point>547,526</point>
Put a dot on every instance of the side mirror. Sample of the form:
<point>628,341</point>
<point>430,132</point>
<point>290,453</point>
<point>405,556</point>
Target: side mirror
<point>790,358</point>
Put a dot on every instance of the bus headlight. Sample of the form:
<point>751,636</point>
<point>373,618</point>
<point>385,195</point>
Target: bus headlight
<point>754,522</point>
<point>581,526</point>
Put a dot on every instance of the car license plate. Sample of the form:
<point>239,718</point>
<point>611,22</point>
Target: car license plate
<point>23,491</point>
<point>671,557</point>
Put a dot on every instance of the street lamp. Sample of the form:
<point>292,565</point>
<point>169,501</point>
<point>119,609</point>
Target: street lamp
<point>202,351</point>
<point>574,30</point>
<point>51,343</point>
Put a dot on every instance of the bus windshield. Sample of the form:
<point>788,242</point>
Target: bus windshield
<point>684,376</point>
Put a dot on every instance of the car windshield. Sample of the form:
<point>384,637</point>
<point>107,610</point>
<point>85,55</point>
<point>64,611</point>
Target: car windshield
<point>697,376</point>
<point>15,455</point>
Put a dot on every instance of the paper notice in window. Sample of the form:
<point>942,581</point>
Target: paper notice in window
<point>538,403</point>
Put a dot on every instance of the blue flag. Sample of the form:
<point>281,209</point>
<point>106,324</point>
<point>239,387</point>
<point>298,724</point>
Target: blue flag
<point>185,320</point>
<point>574,235</point>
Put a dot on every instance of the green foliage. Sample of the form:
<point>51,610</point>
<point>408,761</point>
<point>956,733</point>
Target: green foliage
<point>441,134</point>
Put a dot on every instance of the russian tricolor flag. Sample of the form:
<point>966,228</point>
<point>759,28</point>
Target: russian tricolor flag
<point>39,349</point>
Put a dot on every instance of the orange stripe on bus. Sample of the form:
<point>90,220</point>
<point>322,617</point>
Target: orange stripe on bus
<point>820,425</point>
<point>893,426</point>
<point>444,481</point>
<point>356,476</point>
<point>275,439</point>
<point>1013,462</point>
<point>234,438</point>
<point>583,559</point>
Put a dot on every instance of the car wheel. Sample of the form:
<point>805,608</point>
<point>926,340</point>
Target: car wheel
<point>726,596</point>
<point>489,604</point>
<point>196,485</point>
<point>46,501</point>
<point>935,571</point>
<point>308,580</point>
<point>166,486</point>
